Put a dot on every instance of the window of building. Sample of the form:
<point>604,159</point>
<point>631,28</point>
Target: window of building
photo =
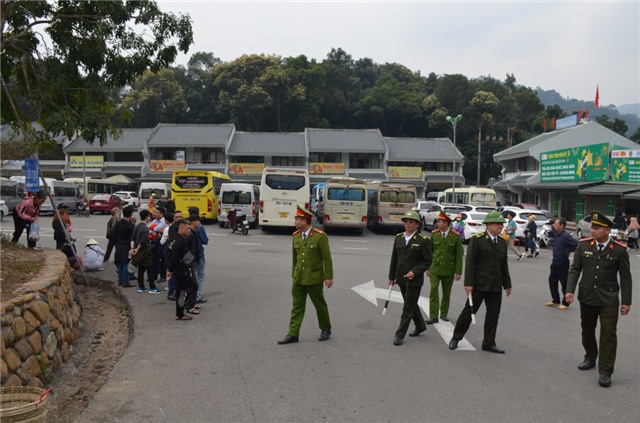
<point>208,156</point>
<point>365,161</point>
<point>51,152</point>
<point>165,154</point>
<point>246,159</point>
<point>287,161</point>
<point>325,157</point>
<point>129,156</point>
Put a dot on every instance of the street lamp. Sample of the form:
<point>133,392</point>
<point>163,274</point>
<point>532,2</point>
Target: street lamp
<point>454,123</point>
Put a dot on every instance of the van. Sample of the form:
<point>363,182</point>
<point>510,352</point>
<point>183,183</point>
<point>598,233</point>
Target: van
<point>436,196</point>
<point>11,193</point>
<point>66,193</point>
<point>157,188</point>
<point>243,197</point>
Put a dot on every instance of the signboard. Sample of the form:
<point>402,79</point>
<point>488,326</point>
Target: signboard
<point>405,172</point>
<point>31,175</point>
<point>625,166</point>
<point>322,168</point>
<point>567,122</point>
<point>180,155</point>
<point>91,161</point>
<point>246,168</point>
<point>165,165</point>
<point>588,163</point>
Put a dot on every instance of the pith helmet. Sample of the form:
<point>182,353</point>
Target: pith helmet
<point>411,214</point>
<point>445,217</point>
<point>494,217</point>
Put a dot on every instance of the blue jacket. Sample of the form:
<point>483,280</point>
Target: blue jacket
<point>563,245</point>
<point>203,240</point>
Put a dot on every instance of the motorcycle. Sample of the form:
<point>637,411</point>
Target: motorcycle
<point>82,209</point>
<point>546,237</point>
<point>238,222</point>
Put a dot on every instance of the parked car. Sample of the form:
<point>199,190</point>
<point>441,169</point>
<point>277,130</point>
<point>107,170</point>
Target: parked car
<point>104,203</point>
<point>528,206</point>
<point>479,209</point>
<point>430,218</point>
<point>583,228</point>
<point>4,210</point>
<point>472,224</point>
<point>522,218</point>
<point>131,197</point>
<point>423,206</point>
<point>502,209</point>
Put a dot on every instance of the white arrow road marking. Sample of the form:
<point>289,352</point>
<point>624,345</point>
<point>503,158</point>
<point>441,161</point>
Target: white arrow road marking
<point>247,243</point>
<point>354,248</point>
<point>369,292</point>
<point>354,240</point>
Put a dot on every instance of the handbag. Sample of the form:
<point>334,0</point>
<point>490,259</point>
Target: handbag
<point>34,232</point>
<point>131,268</point>
<point>141,255</point>
<point>188,258</point>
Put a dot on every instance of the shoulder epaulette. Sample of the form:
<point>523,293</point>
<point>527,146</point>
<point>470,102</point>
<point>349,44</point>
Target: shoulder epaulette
<point>455,232</point>
<point>423,236</point>
<point>585,239</point>
<point>296,232</point>
<point>622,244</point>
<point>400,234</point>
<point>318,231</point>
<point>435,231</point>
<point>481,234</point>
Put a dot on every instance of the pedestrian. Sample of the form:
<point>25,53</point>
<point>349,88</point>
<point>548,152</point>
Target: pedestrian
<point>486,274</point>
<point>410,258</point>
<point>181,267</point>
<point>510,231</point>
<point>142,254</point>
<point>531,235</point>
<point>123,231</point>
<point>152,202</point>
<point>172,234</point>
<point>156,227</point>
<point>458,225</point>
<point>26,213</point>
<point>600,260</point>
<point>58,228</point>
<point>445,267</point>
<point>563,245</point>
<point>93,256</point>
<point>620,222</point>
<point>201,239</point>
<point>312,266</point>
<point>116,215</point>
<point>632,236</point>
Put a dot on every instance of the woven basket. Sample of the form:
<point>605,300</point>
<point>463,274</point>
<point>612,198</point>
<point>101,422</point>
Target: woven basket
<point>23,404</point>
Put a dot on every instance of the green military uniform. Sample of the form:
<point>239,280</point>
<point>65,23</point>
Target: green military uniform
<point>487,271</point>
<point>598,296</point>
<point>447,262</point>
<point>312,265</point>
<point>413,256</point>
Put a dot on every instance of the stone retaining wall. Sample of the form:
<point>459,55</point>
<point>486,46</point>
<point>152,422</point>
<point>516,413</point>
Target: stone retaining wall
<point>39,325</point>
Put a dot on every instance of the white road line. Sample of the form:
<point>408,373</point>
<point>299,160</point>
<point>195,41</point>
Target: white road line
<point>354,248</point>
<point>262,236</point>
<point>208,234</point>
<point>354,240</point>
<point>247,243</point>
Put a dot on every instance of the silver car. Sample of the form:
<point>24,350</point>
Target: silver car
<point>583,228</point>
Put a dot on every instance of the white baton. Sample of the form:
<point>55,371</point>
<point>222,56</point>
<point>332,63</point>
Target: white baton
<point>473,315</point>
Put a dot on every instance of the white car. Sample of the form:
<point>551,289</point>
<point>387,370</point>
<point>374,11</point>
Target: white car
<point>4,210</point>
<point>479,209</point>
<point>423,206</point>
<point>131,197</point>
<point>430,218</point>
<point>472,224</point>
<point>522,219</point>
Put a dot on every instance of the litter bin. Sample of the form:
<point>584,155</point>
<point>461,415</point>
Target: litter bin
<point>24,404</point>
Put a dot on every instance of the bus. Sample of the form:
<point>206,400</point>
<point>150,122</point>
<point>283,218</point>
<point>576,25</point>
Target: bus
<point>388,202</point>
<point>345,203</point>
<point>473,196</point>
<point>281,189</point>
<point>199,188</point>
<point>317,196</point>
<point>98,186</point>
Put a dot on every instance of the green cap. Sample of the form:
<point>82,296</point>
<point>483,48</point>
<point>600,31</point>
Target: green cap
<point>598,218</point>
<point>494,217</point>
<point>413,215</point>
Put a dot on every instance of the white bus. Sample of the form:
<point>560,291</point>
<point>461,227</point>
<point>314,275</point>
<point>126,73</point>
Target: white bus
<point>388,202</point>
<point>470,195</point>
<point>345,203</point>
<point>281,189</point>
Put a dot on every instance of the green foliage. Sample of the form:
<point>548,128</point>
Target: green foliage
<point>617,125</point>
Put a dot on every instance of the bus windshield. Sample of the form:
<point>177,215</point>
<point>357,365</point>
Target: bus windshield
<point>347,194</point>
<point>285,182</point>
<point>397,197</point>
<point>236,197</point>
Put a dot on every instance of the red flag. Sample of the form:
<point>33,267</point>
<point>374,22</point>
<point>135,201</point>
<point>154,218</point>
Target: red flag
<point>586,112</point>
<point>553,122</point>
<point>580,114</point>
<point>544,124</point>
<point>597,96</point>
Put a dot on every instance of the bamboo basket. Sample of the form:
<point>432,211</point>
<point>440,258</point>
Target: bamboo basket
<point>24,404</point>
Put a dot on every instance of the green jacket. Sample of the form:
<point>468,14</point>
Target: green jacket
<point>447,253</point>
<point>312,263</point>
<point>486,267</point>
<point>599,283</point>
<point>414,256</point>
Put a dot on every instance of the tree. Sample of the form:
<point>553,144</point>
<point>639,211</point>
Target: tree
<point>636,136</point>
<point>483,104</point>
<point>62,61</point>
<point>617,125</point>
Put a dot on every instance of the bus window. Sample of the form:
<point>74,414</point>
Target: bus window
<point>285,182</point>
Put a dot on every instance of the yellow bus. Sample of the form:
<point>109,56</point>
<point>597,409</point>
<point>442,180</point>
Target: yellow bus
<point>199,188</point>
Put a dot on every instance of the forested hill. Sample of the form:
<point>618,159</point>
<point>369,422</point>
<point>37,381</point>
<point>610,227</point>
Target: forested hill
<point>572,105</point>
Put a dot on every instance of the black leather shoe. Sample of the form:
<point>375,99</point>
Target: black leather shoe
<point>417,332</point>
<point>445,318</point>
<point>586,365</point>
<point>288,340</point>
<point>453,344</point>
<point>431,321</point>
<point>493,349</point>
<point>604,381</point>
<point>324,335</point>
<point>397,341</point>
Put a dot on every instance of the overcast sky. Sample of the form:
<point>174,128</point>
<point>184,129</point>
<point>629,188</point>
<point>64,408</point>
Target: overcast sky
<point>567,46</point>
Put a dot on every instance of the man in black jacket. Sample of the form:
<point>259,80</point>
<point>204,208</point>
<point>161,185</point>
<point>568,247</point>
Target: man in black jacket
<point>183,271</point>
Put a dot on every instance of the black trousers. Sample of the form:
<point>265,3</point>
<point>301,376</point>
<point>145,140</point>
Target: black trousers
<point>110,245</point>
<point>493,301</point>
<point>20,225</point>
<point>151,274</point>
<point>558,273</point>
<point>608,316</point>
<point>186,291</point>
<point>410,311</point>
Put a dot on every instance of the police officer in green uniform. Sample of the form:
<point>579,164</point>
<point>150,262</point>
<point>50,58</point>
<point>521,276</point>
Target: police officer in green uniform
<point>600,259</point>
<point>486,274</point>
<point>312,266</point>
<point>446,265</point>
<point>410,258</point>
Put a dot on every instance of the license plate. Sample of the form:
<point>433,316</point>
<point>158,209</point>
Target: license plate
<point>346,216</point>
<point>395,217</point>
<point>284,215</point>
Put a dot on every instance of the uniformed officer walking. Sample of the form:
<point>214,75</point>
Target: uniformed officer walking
<point>446,265</point>
<point>486,274</point>
<point>410,258</point>
<point>600,259</point>
<point>312,265</point>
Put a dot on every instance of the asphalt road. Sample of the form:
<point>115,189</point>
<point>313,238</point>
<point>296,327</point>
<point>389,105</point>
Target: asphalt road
<point>225,365</point>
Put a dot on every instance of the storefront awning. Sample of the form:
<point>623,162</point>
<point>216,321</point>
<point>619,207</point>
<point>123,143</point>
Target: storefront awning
<point>611,189</point>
